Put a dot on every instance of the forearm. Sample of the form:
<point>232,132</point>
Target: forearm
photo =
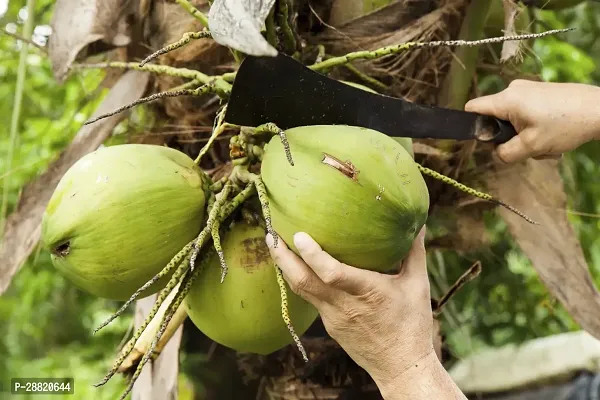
<point>425,380</point>
<point>591,117</point>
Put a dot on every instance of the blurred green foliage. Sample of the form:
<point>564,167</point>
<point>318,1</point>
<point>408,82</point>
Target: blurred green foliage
<point>46,323</point>
<point>508,303</point>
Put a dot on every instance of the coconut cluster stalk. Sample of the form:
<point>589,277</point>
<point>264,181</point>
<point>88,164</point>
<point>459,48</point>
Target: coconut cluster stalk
<point>229,195</point>
<point>143,343</point>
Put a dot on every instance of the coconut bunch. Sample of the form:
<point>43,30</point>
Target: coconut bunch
<point>132,220</point>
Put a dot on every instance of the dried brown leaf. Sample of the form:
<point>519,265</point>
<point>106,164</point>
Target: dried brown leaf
<point>23,226</point>
<point>238,23</point>
<point>510,49</point>
<point>158,380</point>
<point>81,28</point>
<point>536,188</point>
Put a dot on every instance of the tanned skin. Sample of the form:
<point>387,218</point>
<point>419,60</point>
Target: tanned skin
<point>385,322</point>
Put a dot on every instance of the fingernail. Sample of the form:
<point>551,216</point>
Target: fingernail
<point>269,240</point>
<point>422,232</point>
<point>301,240</point>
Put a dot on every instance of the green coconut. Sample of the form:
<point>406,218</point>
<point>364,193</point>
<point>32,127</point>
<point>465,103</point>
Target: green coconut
<point>120,214</point>
<point>407,143</point>
<point>244,312</point>
<point>356,191</point>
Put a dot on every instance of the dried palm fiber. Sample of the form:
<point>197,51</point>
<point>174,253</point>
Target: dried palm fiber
<point>183,122</point>
<point>413,75</point>
<point>332,374</point>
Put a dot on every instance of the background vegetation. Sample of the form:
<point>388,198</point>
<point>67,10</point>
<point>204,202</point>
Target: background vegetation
<point>46,323</point>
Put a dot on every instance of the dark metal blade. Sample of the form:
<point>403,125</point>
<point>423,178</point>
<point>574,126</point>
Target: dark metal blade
<point>285,92</point>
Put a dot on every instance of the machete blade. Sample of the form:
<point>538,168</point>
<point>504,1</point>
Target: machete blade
<point>285,92</point>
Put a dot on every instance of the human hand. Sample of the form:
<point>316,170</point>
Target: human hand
<point>550,118</point>
<point>384,322</point>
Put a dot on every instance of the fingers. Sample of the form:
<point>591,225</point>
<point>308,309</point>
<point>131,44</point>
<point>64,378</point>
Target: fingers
<point>301,279</point>
<point>527,144</point>
<point>513,151</point>
<point>415,263</point>
<point>330,271</point>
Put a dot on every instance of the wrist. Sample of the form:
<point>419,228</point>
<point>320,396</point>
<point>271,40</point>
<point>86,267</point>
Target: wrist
<point>425,378</point>
<point>594,121</point>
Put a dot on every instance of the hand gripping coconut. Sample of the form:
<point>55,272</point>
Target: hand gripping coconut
<point>120,214</point>
<point>356,191</point>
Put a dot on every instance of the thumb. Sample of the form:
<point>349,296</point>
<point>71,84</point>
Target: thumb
<point>496,105</point>
<point>415,262</point>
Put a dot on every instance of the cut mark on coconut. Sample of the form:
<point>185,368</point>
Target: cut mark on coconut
<point>345,167</point>
<point>62,250</point>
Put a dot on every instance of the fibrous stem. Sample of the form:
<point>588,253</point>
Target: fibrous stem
<point>283,18</point>
<point>213,220</point>
<point>271,33</point>
<point>186,284</point>
<point>264,203</point>
<point>172,93</point>
<point>389,50</point>
<point>173,281</point>
<point>186,38</point>
<point>218,128</point>
<point>194,12</point>
<point>273,129</point>
<point>221,86</point>
<point>174,262</point>
<point>472,192</point>
<point>286,314</point>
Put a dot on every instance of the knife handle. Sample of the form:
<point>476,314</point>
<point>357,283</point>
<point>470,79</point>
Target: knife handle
<point>491,129</point>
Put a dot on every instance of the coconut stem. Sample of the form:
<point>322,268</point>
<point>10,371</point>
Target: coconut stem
<point>470,274</point>
<point>273,129</point>
<point>285,313</point>
<point>161,70</point>
<point>194,12</point>
<point>264,203</point>
<point>389,50</point>
<point>174,261</point>
<point>142,344</point>
<point>473,192</point>
<point>320,53</point>
<point>283,18</point>
<point>173,93</point>
<point>213,220</point>
<point>185,39</point>
<point>271,33</point>
<point>180,271</point>
<point>368,79</point>
<point>186,284</point>
<point>188,85</point>
<point>218,128</point>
